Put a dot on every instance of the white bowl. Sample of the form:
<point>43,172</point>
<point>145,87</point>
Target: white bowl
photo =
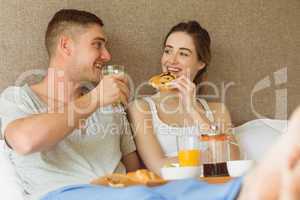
<point>239,167</point>
<point>175,173</point>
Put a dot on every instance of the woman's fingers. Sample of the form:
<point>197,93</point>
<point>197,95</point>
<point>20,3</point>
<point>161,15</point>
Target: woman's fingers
<point>178,85</point>
<point>187,85</point>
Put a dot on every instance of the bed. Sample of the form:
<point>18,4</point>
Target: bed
<point>252,71</point>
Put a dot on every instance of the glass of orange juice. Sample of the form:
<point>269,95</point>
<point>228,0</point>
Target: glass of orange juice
<point>188,150</point>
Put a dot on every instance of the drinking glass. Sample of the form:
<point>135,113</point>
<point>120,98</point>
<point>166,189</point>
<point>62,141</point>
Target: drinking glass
<point>188,150</point>
<point>110,70</point>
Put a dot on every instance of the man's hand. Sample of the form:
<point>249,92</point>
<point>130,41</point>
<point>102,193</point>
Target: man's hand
<point>111,89</point>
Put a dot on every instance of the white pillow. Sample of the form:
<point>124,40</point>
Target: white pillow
<point>9,182</point>
<point>255,137</point>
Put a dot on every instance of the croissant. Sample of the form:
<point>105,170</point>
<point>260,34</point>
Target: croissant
<point>139,177</point>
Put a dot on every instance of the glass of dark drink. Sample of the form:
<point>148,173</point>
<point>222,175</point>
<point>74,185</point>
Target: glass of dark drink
<point>215,154</point>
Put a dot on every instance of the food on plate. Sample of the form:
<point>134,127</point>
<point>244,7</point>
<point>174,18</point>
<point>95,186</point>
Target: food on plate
<point>139,177</point>
<point>171,165</point>
<point>161,81</point>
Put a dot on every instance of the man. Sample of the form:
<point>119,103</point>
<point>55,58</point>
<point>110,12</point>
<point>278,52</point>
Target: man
<point>56,135</point>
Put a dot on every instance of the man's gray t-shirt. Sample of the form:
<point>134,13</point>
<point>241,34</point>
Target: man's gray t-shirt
<point>87,153</point>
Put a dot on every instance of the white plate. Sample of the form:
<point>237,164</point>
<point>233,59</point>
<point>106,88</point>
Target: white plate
<point>175,173</point>
<point>239,167</point>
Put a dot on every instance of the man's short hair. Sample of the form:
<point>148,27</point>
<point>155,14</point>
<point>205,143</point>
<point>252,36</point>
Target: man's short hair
<point>67,21</point>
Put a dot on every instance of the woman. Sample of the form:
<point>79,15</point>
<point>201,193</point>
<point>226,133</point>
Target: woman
<point>158,119</point>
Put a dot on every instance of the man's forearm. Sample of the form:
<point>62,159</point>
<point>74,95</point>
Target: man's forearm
<point>42,131</point>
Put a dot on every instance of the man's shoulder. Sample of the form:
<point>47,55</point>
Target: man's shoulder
<point>12,93</point>
<point>11,90</point>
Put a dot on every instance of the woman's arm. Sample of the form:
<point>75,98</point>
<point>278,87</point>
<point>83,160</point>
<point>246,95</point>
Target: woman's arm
<point>147,144</point>
<point>131,162</point>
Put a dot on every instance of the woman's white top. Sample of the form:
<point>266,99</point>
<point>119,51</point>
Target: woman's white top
<point>166,134</point>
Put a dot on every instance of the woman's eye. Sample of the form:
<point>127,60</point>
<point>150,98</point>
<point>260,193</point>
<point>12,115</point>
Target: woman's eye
<point>184,54</point>
<point>167,51</point>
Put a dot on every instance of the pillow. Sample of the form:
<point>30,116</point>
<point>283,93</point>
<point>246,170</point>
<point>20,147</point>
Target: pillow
<point>9,182</point>
<point>255,137</point>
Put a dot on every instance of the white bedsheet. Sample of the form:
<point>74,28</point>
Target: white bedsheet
<point>255,137</point>
<point>9,183</point>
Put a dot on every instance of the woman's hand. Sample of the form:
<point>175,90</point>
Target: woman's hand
<point>188,101</point>
<point>187,93</point>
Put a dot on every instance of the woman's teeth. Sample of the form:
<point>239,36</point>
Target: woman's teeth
<point>172,69</point>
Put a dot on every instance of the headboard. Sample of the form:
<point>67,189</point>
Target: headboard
<point>255,45</point>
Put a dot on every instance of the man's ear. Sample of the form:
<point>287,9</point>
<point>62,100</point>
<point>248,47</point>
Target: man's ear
<point>65,45</point>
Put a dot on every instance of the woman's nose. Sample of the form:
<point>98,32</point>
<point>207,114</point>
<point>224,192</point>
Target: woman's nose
<point>173,58</point>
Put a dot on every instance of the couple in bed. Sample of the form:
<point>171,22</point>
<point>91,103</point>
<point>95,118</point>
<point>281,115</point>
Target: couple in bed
<point>59,137</point>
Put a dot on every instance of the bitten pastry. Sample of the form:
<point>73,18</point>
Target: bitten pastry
<point>115,180</point>
<point>161,81</point>
<point>144,176</point>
